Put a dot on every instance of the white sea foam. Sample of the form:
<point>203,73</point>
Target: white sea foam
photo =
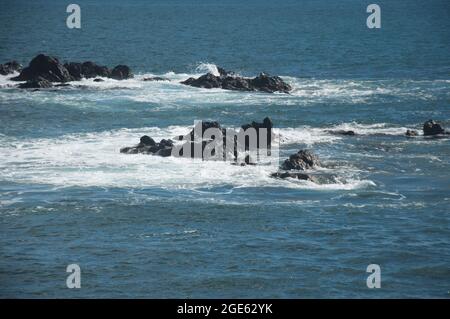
<point>93,159</point>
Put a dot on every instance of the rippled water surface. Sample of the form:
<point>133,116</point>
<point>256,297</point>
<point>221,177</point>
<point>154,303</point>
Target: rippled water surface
<point>146,226</point>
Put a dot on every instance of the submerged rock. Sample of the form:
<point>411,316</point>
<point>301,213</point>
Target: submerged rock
<point>302,160</point>
<point>155,79</point>
<point>342,132</point>
<point>38,83</point>
<point>270,84</point>
<point>98,80</point>
<point>295,175</point>
<point>44,67</point>
<point>412,133</point>
<point>86,70</point>
<point>10,67</point>
<point>147,145</point>
<point>431,127</point>
<point>228,81</point>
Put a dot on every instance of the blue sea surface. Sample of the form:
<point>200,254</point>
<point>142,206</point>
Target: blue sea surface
<point>146,226</point>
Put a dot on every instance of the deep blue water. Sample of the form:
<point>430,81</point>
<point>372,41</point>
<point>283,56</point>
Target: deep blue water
<point>143,226</point>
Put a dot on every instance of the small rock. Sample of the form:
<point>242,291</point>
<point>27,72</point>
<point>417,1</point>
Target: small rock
<point>342,132</point>
<point>45,67</point>
<point>431,127</point>
<point>302,160</point>
<point>301,176</point>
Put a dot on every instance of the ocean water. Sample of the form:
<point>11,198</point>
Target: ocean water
<point>145,226</point>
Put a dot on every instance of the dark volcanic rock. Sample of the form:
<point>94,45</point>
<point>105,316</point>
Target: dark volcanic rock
<point>431,127</point>
<point>86,70</point>
<point>10,67</point>
<point>302,160</point>
<point>342,132</point>
<point>50,69</point>
<point>148,146</point>
<point>208,81</point>
<point>294,175</point>
<point>121,72</point>
<point>147,140</point>
<point>38,83</point>
<point>412,133</point>
<point>270,84</point>
<point>45,67</point>
<point>229,81</point>
<point>155,78</point>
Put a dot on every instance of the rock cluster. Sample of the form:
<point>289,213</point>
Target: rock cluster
<point>229,81</point>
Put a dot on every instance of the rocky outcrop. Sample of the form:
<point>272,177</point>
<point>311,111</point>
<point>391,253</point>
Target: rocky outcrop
<point>302,160</point>
<point>38,83</point>
<point>10,67</point>
<point>44,67</point>
<point>229,81</point>
<point>431,127</point>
